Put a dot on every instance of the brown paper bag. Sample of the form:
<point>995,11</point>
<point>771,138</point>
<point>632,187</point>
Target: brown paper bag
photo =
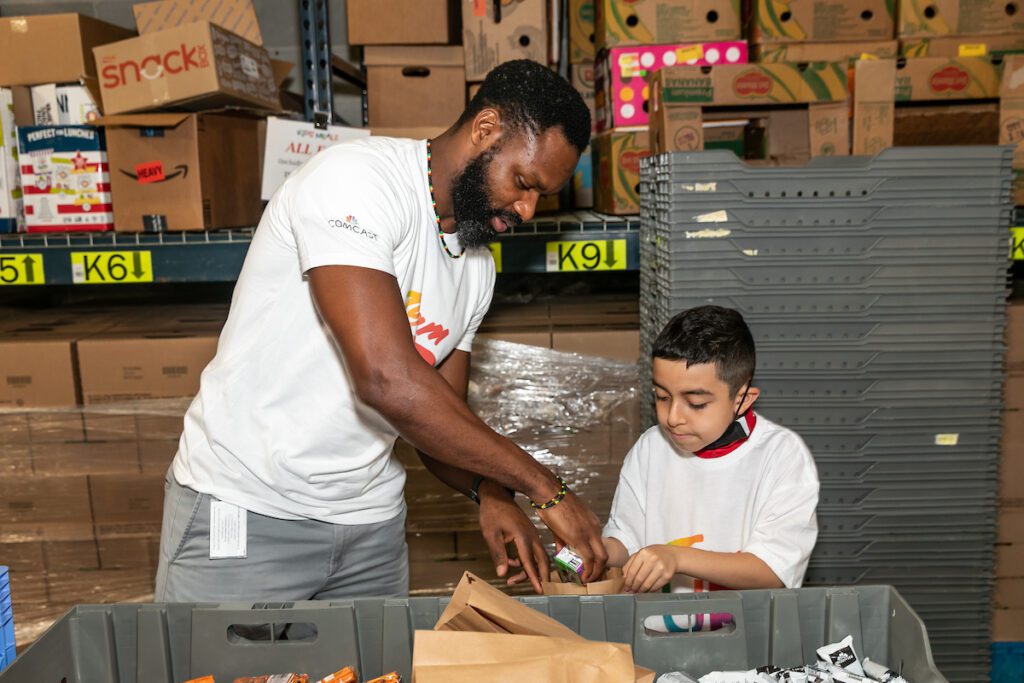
<point>611,584</point>
<point>451,657</point>
<point>479,607</point>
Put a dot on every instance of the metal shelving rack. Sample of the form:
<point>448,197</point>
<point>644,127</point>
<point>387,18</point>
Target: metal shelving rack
<point>564,242</point>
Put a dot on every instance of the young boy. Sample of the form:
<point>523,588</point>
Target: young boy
<point>715,496</point>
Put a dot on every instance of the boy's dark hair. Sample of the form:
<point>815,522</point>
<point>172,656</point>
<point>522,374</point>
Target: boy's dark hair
<point>533,98</point>
<point>710,334</point>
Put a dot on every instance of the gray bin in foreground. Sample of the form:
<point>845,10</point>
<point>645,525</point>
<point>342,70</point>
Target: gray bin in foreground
<point>175,642</point>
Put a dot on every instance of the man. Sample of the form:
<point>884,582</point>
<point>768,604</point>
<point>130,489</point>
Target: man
<point>351,324</point>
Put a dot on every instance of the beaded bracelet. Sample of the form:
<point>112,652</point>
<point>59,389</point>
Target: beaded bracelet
<point>562,493</point>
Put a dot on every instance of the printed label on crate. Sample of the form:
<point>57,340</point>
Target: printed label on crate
<point>576,256</point>
<point>495,248</point>
<point>22,269</point>
<point>111,267</point>
<point>1017,244</point>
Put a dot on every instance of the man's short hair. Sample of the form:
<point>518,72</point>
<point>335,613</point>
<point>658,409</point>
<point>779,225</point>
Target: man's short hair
<point>710,334</point>
<point>533,98</point>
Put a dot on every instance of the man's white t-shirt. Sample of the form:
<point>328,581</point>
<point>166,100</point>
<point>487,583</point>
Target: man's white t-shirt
<point>276,427</point>
<point>760,499</point>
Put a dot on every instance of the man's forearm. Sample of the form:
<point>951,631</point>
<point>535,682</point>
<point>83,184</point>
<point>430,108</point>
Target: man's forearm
<point>738,571</point>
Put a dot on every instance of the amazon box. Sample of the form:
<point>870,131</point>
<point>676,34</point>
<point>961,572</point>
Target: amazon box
<point>184,171</point>
<point>495,32</point>
<point>198,66</point>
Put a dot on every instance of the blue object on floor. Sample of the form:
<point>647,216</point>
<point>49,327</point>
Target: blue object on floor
<point>7,649</point>
<point>1007,662</point>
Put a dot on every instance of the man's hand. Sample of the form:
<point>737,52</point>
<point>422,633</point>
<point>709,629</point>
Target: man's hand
<point>649,569</point>
<point>503,522</point>
<point>574,524</point>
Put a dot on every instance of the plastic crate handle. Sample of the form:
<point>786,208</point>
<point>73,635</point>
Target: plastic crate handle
<point>685,604</point>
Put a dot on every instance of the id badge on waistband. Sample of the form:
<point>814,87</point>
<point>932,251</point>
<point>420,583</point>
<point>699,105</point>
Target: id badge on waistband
<point>228,532</point>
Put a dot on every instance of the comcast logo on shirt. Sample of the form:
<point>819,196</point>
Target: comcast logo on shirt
<point>351,224</point>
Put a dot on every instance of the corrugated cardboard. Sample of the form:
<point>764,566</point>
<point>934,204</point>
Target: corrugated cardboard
<point>52,48</point>
<point>37,370</point>
<point>583,181</point>
<point>519,31</point>
<point>84,457</point>
<point>413,132</point>
<point>617,344</point>
<point>55,555</point>
<point>938,78</point>
<point>680,95</point>
<point>1015,332</point>
<point>194,66</point>
<point>237,16</point>
<point>1009,594</point>
<point>620,22</point>
<point>777,21</point>
<point>823,51</point>
<point>541,338</point>
<point>156,456</point>
<point>874,91</point>
<point>1008,625</point>
<point>65,179</point>
<point>129,552</point>
<point>403,22</point>
<point>1010,560</point>
<point>621,74</point>
<point>172,172</point>
<point>959,17</point>
<point>1011,466</point>
<point>1011,121</point>
<point>581,31</point>
<point>415,86</point>
<point>291,143</point>
<point>127,505</point>
<point>44,508</point>
<point>617,156</point>
<point>117,367</point>
<point>961,46</point>
<point>1010,525</point>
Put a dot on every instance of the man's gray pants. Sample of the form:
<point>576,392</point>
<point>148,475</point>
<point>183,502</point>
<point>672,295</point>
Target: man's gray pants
<point>285,560</point>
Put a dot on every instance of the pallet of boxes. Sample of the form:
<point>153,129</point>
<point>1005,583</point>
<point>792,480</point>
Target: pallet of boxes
<point>1008,596</point>
<point>157,132</point>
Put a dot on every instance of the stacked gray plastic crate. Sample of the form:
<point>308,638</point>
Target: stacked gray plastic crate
<point>875,289</point>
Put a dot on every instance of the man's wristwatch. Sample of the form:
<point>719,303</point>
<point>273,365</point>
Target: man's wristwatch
<point>474,491</point>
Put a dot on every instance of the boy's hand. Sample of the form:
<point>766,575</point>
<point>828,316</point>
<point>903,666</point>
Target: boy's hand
<point>649,569</point>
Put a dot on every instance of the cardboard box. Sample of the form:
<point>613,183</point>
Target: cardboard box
<point>1015,332</point>
<point>237,16</point>
<point>52,48</point>
<point>581,31</point>
<point>541,338</point>
<point>958,17</point>
<point>64,178</point>
<point>183,171</point>
<point>939,78</point>
<point>622,73</point>
<point>117,367</point>
<point>403,22</point>
<point>622,22</point>
<point>874,91</point>
<point>1011,128</point>
<point>44,508</point>
<point>194,66</point>
<point>291,143</point>
<point>129,552</point>
<point>518,31</point>
<point>156,456</point>
<point>824,51</point>
<point>12,212</point>
<point>37,371</point>
<point>582,76</point>
<point>1010,524</point>
<point>583,181</point>
<point>618,344</point>
<point>1009,560</point>
<point>63,105</point>
<point>1008,625</point>
<point>1009,594</point>
<point>42,556</point>
<point>822,20</point>
<point>127,505</point>
<point>85,457</point>
<point>414,86</point>
<point>961,46</point>
<point>617,156</point>
<point>682,93</point>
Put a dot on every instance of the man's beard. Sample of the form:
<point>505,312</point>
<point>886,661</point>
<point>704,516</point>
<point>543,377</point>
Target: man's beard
<point>473,205</point>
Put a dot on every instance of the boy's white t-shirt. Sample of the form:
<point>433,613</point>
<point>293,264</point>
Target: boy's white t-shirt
<point>276,427</point>
<point>760,499</point>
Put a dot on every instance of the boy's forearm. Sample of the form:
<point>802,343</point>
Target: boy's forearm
<point>738,571</point>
